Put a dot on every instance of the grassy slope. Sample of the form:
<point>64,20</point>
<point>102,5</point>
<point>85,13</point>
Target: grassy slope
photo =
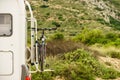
<point>71,15</point>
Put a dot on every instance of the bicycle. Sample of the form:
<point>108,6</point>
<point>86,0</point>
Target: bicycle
<point>42,47</point>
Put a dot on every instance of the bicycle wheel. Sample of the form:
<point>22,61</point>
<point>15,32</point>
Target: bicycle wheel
<point>41,57</point>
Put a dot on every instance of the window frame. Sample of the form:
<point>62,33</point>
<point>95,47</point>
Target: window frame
<point>11,25</point>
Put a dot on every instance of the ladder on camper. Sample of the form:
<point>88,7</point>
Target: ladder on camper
<point>33,57</point>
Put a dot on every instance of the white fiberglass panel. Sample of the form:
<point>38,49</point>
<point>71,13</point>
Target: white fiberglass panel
<point>6,63</point>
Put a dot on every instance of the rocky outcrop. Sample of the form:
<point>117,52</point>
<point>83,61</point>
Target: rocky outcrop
<point>105,9</point>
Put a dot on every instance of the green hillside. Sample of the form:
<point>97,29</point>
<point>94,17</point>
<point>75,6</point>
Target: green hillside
<point>74,15</point>
<point>86,45</point>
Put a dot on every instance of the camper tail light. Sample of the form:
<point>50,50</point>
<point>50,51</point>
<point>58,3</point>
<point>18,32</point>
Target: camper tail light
<point>27,78</point>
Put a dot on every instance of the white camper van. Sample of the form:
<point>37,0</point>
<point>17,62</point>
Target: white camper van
<point>13,40</point>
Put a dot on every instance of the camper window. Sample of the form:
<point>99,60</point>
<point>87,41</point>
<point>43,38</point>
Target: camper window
<point>5,25</point>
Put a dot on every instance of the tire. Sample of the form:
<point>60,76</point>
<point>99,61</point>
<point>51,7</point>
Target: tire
<point>41,57</point>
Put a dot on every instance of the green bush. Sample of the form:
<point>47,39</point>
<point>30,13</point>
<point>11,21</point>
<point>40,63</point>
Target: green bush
<point>44,6</point>
<point>58,36</point>
<point>114,23</point>
<point>56,24</point>
<point>102,21</point>
<point>45,0</point>
<point>42,76</point>
<point>86,65</point>
<point>60,16</point>
<point>117,42</point>
<point>111,36</point>
<point>90,36</point>
<point>109,73</point>
<point>114,43</point>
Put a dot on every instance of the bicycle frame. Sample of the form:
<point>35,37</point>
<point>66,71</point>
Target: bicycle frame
<point>42,47</point>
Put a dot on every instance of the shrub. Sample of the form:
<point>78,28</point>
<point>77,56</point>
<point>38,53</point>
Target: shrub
<point>102,21</point>
<point>45,0</point>
<point>114,23</point>
<point>58,36</point>
<point>61,18</point>
<point>117,42</point>
<point>72,33</point>
<point>90,36</point>
<point>89,65</point>
<point>44,6</point>
<point>111,36</point>
<point>56,24</point>
<point>42,76</point>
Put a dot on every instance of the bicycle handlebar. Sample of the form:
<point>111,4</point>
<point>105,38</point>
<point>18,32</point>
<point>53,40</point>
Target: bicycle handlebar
<point>49,29</point>
<point>43,30</point>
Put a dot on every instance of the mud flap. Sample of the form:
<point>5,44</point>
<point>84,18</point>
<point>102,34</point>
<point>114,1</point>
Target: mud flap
<point>25,72</point>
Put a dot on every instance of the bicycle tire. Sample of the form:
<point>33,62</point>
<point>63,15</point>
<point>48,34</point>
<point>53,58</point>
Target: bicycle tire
<point>41,57</point>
